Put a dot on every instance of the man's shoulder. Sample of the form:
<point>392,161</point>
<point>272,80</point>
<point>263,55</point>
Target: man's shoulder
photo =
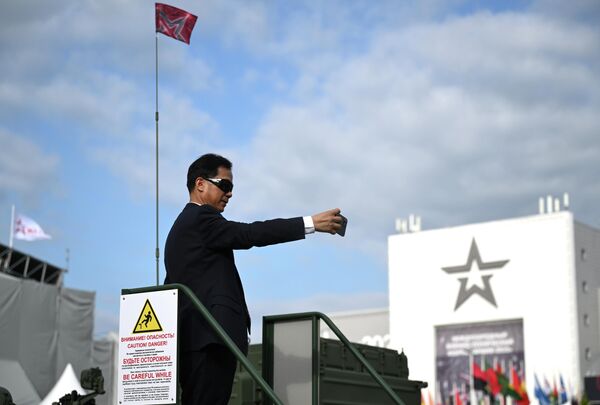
<point>193,217</point>
<point>195,212</point>
<point>200,208</point>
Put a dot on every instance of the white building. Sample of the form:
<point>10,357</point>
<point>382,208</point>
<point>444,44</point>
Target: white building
<point>369,327</point>
<point>522,292</point>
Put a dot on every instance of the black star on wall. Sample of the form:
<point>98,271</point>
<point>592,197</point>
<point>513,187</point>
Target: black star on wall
<point>486,292</point>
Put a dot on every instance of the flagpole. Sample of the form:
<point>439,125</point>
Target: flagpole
<point>12,227</point>
<point>472,394</point>
<point>156,119</point>
<point>178,24</point>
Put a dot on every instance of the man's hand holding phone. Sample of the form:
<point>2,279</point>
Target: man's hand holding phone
<point>331,221</point>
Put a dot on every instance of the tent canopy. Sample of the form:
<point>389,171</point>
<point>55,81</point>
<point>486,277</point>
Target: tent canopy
<point>67,383</point>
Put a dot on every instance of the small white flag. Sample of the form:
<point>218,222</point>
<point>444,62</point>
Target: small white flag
<point>27,229</point>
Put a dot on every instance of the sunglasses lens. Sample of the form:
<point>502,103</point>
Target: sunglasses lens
<point>225,185</point>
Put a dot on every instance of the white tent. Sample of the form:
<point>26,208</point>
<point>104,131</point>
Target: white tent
<point>67,383</point>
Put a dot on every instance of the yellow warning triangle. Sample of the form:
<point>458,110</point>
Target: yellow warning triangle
<point>147,321</point>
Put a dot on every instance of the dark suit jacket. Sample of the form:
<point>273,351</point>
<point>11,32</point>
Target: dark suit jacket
<point>199,254</point>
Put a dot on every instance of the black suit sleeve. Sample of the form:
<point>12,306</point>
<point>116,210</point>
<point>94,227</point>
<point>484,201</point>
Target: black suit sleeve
<point>219,233</point>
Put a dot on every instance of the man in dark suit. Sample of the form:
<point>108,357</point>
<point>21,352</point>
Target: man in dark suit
<point>199,254</point>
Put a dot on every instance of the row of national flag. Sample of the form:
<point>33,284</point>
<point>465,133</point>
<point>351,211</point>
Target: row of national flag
<point>551,395</point>
<point>494,386</point>
<point>495,382</point>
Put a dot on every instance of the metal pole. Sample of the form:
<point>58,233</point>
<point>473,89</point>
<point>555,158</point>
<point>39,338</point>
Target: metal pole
<point>157,252</point>
<point>12,227</point>
<point>472,393</point>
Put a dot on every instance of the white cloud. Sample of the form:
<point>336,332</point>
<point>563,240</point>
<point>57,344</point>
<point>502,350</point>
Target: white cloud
<point>25,168</point>
<point>464,120</point>
<point>184,130</point>
<point>81,66</point>
<point>91,47</point>
<point>459,118</point>
<point>246,22</point>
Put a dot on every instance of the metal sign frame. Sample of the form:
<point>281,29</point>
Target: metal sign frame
<point>268,348</point>
<point>125,292</point>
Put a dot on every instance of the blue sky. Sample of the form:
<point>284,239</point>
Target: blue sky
<point>459,111</point>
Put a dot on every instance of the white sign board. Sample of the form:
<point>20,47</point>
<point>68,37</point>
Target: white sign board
<point>148,348</point>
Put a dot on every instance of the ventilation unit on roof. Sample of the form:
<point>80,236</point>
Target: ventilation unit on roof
<point>550,204</point>
<point>413,224</point>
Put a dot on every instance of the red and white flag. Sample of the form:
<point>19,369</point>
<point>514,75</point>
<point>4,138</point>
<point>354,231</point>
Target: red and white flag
<point>174,22</point>
<point>29,230</point>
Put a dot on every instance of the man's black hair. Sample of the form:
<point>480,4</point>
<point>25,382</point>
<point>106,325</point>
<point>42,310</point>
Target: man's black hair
<point>205,166</point>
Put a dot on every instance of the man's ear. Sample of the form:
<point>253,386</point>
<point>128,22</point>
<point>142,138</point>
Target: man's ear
<point>199,183</point>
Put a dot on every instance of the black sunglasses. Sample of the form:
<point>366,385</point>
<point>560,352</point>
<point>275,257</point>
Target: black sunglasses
<point>224,185</point>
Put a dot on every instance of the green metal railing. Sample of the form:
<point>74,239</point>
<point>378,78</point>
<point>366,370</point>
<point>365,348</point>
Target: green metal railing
<point>318,315</point>
<point>218,329</point>
<point>289,317</point>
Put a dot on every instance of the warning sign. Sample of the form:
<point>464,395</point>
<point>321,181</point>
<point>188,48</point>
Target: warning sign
<point>148,348</point>
<point>147,321</point>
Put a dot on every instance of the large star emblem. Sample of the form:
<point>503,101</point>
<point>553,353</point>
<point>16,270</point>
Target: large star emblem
<point>468,285</point>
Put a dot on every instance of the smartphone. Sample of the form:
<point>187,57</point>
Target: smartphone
<point>342,230</point>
